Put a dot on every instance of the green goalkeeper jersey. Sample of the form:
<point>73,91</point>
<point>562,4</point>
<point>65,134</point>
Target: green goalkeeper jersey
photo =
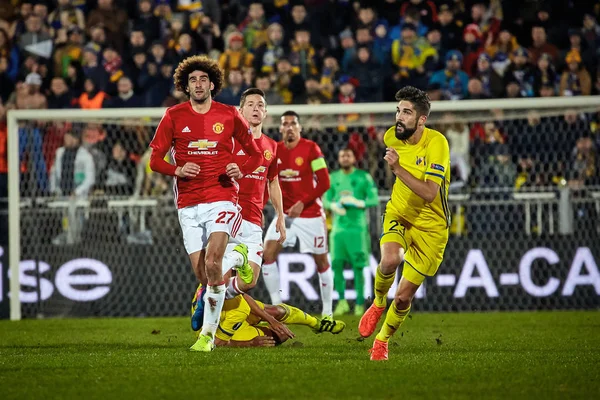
<point>348,191</point>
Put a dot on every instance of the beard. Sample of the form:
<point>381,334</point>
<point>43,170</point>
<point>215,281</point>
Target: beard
<point>406,133</point>
<point>201,98</point>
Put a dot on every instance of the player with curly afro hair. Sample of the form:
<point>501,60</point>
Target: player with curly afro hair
<point>198,77</point>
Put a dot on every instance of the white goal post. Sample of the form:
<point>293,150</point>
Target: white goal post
<point>15,117</point>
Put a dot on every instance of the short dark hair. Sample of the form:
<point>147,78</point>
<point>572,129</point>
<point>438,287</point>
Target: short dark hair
<point>198,63</point>
<point>291,113</point>
<point>417,97</point>
<point>249,92</point>
<point>350,149</point>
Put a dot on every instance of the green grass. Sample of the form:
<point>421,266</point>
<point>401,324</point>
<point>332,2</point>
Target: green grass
<point>460,356</point>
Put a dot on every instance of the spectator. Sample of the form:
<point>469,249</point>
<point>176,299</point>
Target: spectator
<point>91,98</point>
<point>113,67</point>
<point>235,56</point>
<point>583,164</point>
<point>254,27</point>
<point>111,17</point>
<point>330,75</point>
<point>409,54</point>
<point>270,51</point>
<point>6,83</point>
<point>575,81</point>
<point>125,98</point>
<point>233,92</point>
<point>475,89</point>
<point>146,21</point>
<point>30,41</point>
<point>501,50</point>
<point>313,93</point>
<point>66,16</point>
<point>18,27</point>
<point>60,96</point>
<point>472,48</point>
<point>591,30</point>
<point>541,46</point>
<point>545,74</point>
<point>449,29</point>
<point>208,34</point>
<point>92,68</point>
<point>547,90</point>
<point>522,72</point>
<point>302,55</point>
<point>452,81</point>
<point>263,82</point>
<point>119,176</point>
<point>28,95</point>
<point>71,50</point>
<point>75,77</point>
<point>11,54</point>
<point>491,81</point>
<point>73,172</point>
<point>160,87</point>
<point>288,84</point>
<point>366,71</point>
<point>427,10</point>
<point>577,43</point>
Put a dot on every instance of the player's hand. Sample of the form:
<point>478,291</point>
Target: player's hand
<point>296,210</point>
<point>338,209</point>
<point>282,331</point>
<point>351,201</point>
<point>392,158</point>
<point>233,171</point>
<point>280,228</point>
<point>263,341</point>
<point>189,170</point>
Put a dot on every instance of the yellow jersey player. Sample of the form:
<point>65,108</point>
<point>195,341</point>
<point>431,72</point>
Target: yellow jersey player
<point>416,218</point>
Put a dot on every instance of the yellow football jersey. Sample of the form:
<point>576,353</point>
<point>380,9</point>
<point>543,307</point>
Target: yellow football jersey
<point>427,160</point>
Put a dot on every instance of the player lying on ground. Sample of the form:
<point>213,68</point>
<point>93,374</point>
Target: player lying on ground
<point>242,323</point>
<point>416,218</point>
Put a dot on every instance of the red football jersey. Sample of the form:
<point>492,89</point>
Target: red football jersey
<point>296,176</point>
<point>207,140</point>
<point>254,185</point>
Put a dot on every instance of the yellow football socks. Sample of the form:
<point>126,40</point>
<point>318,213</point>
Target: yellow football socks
<point>393,320</point>
<point>295,316</point>
<point>382,287</point>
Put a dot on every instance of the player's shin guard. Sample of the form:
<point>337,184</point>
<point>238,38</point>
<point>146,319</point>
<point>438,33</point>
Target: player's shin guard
<point>271,276</point>
<point>326,281</point>
<point>338,278</point>
<point>382,286</point>
<point>393,320</point>
<point>295,316</point>
<point>359,285</point>
<point>213,304</point>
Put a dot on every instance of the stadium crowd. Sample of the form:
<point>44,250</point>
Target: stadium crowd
<point>65,54</point>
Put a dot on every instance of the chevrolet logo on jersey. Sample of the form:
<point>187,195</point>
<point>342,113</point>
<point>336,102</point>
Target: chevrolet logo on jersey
<point>289,173</point>
<point>260,170</point>
<point>202,144</point>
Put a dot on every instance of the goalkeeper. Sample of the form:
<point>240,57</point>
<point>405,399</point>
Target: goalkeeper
<point>352,191</point>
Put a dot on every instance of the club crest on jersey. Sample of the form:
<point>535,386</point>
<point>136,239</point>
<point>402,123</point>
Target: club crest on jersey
<point>289,173</point>
<point>202,144</point>
<point>218,128</point>
<point>268,155</point>
<point>420,160</point>
<point>299,161</point>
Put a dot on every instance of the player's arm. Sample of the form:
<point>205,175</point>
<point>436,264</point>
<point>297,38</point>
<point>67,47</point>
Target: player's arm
<point>242,133</point>
<point>276,326</point>
<point>258,341</point>
<point>439,156</point>
<point>319,168</point>
<point>329,197</point>
<point>372,199</point>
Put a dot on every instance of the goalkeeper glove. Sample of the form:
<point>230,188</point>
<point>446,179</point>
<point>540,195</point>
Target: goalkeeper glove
<point>351,201</point>
<point>338,209</point>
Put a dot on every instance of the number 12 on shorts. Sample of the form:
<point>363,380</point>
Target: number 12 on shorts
<point>223,215</point>
<point>319,241</point>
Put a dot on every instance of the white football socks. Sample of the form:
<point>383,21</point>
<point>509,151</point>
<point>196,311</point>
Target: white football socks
<point>231,260</point>
<point>326,281</point>
<point>270,274</point>
<point>213,304</point>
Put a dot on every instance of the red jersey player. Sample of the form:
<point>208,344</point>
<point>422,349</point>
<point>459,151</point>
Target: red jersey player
<point>200,134</point>
<point>253,108</point>
<point>304,178</point>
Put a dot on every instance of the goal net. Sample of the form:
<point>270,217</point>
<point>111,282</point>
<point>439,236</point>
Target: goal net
<point>94,231</point>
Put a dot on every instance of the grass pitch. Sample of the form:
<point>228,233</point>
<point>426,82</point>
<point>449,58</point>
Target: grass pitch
<point>543,355</point>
